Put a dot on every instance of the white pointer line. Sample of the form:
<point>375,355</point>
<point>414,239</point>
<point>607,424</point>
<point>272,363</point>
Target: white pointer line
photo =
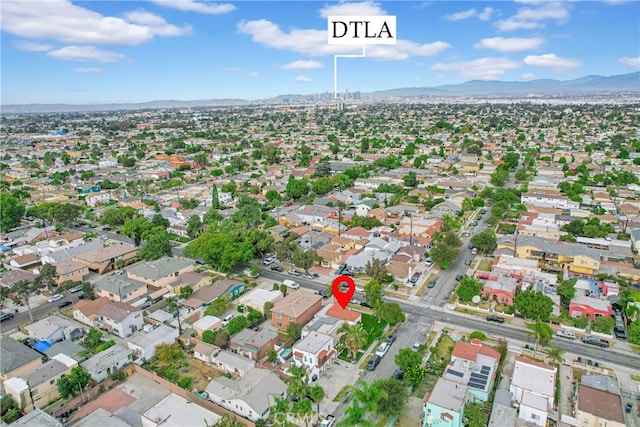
<point>335,69</point>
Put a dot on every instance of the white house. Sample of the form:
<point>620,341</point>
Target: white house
<point>119,318</point>
<point>232,363</point>
<point>144,343</point>
<point>314,351</point>
<point>250,396</point>
<point>107,362</point>
<point>205,351</point>
<point>548,200</point>
<point>533,387</point>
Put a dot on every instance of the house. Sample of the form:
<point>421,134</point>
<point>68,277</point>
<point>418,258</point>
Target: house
<point>37,418</point>
<point>190,279</point>
<point>172,411</point>
<point>577,258</point>
<point>298,307</point>
<point>160,272</point>
<point>144,343</point>
<point>119,318</point>
<point>344,314</point>
<point>249,396</point>
<point>314,351</point>
<point>257,298</point>
<point>84,310</point>
<point>533,387</point>
<point>231,363</point>
<point>37,387</point>
<point>11,277</point>
<point>502,413</point>
<point>206,323</point>
<point>53,329</point>
<point>254,344</point>
<point>597,403</point>
<point>590,299</point>
<point>16,358</point>
<point>232,288</point>
<point>107,362</point>
<point>104,259</point>
<point>66,347</point>
<point>444,406</point>
<point>502,290</point>
<point>119,287</point>
<point>69,269</point>
<point>475,365</point>
<point>548,199</point>
<point>205,351</point>
<point>330,255</point>
<point>24,261</point>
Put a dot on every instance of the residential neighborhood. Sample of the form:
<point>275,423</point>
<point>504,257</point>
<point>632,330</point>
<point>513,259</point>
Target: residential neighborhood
<point>162,258</point>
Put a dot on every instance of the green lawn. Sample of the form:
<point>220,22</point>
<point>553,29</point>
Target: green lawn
<point>485,266</point>
<point>634,295</point>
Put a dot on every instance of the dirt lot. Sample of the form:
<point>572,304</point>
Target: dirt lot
<point>197,370</point>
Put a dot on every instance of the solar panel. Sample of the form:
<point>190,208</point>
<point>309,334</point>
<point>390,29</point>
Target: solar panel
<point>479,386</point>
<point>479,377</point>
<point>485,370</point>
<point>456,373</point>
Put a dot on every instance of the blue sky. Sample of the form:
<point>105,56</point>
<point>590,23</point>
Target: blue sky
<point>128,51</point>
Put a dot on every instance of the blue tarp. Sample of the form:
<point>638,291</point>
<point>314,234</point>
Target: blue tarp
<point>42,346</point>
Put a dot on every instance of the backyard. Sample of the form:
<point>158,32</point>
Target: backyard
<point>374,330</point>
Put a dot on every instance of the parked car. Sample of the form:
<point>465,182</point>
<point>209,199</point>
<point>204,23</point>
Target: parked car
<point>227,319</point>
<point>76,289</point>
<point>467,262</point>
<point>593,340</point>
<point>322,293</point>
<point>56,297</point>
<point>294,273</point>
<point>65,304</point>
<point>382,349</point>
<point>398,374</point>
<point>416,346</point>
<point>432,284</point>
<point>373,362</point>
<point>494,318</point>
<point>415,277</point>
<point>459,277</point>
<point>6,316</point>
<point>620,333</point>
<point>277,268</point>
<point>390,339</point>
<point>366,303</point>
<point>268,261</point>
<point>570,335</point>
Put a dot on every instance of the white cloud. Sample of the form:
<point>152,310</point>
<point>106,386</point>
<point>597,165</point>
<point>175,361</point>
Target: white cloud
<point>510,24</point>
<point>303,79</point>
<point>507,45</point>
<point>87,70</point>
<point>86,54</point>
<point>459,16</point>
<point>33,47</point>
<point>527,76</point>
<point>550,60</point>
<point>631,62</point>
<point>302,65</point>
<point>196,6</point>
<point>62,21</point>
<point>534,15</point>
<point>158,26</point>
<point>349,8</point>
<point>254,74</point>
<point>485,15</point>
<point>482,68</point>
<point>314,42</point>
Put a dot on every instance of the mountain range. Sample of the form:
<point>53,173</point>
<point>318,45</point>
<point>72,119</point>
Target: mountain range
<point>542,88</point>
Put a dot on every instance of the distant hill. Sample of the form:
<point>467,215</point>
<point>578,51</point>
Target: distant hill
<point>583,86</point>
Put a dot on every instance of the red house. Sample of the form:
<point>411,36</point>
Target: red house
<point>582,305</point>
<point>501,290</point>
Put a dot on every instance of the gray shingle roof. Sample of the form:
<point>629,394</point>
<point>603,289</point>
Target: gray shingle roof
<point>14,355</point>
<point>160,268</point>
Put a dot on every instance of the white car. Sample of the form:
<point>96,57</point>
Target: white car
<point>382,350</point>
<point>56,297</point>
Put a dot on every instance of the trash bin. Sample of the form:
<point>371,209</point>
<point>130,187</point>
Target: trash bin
<point>595,364</point>
<point>589,362</point>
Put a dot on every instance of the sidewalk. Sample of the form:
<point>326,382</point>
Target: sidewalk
<point>34,301</point>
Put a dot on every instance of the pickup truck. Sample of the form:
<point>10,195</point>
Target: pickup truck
<point>593,340</point>
<point>328,421</point>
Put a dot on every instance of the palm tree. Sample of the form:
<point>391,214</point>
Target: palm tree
<point>542,332</point>
<point>303,409</point>
<point>317,394</point>
<point>368,395</point>
<point>353,337</point>
<point>554,353</point>
<point>354,416</point>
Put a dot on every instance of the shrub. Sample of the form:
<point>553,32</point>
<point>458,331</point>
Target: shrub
<point>478,334</point>
<point>185,382</point>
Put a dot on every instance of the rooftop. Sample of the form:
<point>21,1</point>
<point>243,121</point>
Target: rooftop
<point>14,354</point>
<point>607,406</point>
<point>172,411</point>
<point>448,395</point>
<point>313,342</point>
<point>159,268</point>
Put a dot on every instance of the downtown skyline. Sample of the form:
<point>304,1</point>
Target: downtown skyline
<point>101,52</point>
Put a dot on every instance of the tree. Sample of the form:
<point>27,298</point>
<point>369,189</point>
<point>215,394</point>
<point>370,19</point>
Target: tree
<point>475,415</point>
<point>73,383</point>
<point>407,359</point>
<point>542,333</point>
<point>222,339</point>
<point>486,241</point>
<point>186,292</point>
<point>221,250</point>
<point>135,228</point>
<point>376,270</point>
<point>634,332</point>
<point>47,274</point>
<point>317,394</point>
<point>294,331</point>
<point>554,353</point>
<point>452,239</point>
<point>219,306</point>
<point>87,291</point>
<point>159,221</point>
<point>373,293</point>
<point>273,196</point>
<point>9,410</point>
<point>368,395</point>
<point>215,202</point>
<point>272,355</point>
<point>118,215</point>
<point>396,397</point>
<point>410,180</point>
<point>305,259</point>
<point>11,211</point>
<point>169,353</point>
<point>566,290</point>
<point>353,337</point>
<point>237,324</point>
<point>303,409</point>
<point>391,312</point>
<point>157,246</point>
<point>194,225</point>
<point>297,188</point>
<point>209,336</point>
<point>468,288</point>
<point>533,305</point>
<point>443,254</point>
<point>93,338</point>
<point>22,290</point>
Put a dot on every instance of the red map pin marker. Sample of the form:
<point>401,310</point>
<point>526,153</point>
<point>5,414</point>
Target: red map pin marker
<point>343,298</point>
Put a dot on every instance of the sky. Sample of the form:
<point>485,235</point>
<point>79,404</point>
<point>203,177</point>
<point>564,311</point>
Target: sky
<point>83,52</point>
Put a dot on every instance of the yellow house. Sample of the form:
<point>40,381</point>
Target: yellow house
<point>344,243</point>
<point>331,255</point>
<point>560,255</point>
<point>191,280</point>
